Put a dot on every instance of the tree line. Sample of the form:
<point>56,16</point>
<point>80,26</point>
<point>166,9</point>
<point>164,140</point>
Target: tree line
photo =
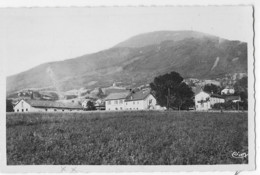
<point>172,92</point>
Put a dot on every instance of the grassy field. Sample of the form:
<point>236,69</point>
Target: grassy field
<point>122,138</point>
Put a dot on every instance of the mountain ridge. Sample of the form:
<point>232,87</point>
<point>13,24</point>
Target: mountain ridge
<point>192,54</point>
<point>157,37</point>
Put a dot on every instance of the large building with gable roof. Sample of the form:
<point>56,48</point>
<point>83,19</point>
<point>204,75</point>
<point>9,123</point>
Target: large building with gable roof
<point>140,100</point>
<point>45,106</point>
<point>116,101</point>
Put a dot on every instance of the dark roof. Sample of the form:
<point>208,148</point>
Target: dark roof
<point>116,96</point>
<point>216,95</point>
<point>139,95</point>
<point>232,97</point>
<point>52,104</point>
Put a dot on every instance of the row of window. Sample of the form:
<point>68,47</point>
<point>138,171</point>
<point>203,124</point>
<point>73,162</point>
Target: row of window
<point>131,109</point>
<point>133,102</point>
<point>117,108</point>
<point>115,102</point>
<point>60,110</point>
<point>22,110</point>
<point>122,109</point>
<point>120,102</point>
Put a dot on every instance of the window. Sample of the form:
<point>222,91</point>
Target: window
<point>62,110</point>
<point>126,103</point>
<point>116,102</point>
<point>22,104</point>
<point>121,108</point>
<point>121,101</point>
<point>46,109</point>
<point>26,109</point>
<point>133,102</point>
<point>22,110</point>
<point>17,110</point>
<point>55,109</point>
<point>116,108</point>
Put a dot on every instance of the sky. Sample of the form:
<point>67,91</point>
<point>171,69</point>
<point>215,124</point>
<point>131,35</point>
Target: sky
<point>32,36</point>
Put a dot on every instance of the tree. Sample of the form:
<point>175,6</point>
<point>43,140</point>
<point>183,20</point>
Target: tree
<point>90,105</point>
<point>171,91</point>
<point>241,85</point>
<point>9,106</point>
<point>212,88</point>
<point>100,93</point>
<point>241,89</point>
<point>182,99</point>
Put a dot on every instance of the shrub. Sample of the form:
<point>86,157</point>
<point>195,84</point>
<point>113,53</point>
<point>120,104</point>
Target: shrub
<point>230,106</point>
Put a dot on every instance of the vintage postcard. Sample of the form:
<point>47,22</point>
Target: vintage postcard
<point>108,89</point>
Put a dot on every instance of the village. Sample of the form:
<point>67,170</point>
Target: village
<point>149,88</point>
<point>118,98</point>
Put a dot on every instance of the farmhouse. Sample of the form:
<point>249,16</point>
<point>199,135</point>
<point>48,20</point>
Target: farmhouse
<point>115,101</point>
<point>140,100</point>
<point>204,101</point>
<point>45,106</point>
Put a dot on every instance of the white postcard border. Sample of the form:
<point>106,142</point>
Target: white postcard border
<point>122,168</point>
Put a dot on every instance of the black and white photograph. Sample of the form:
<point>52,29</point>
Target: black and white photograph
<point>156,86</point>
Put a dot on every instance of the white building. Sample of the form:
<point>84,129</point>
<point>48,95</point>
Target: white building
<point>44,106</point>
<point>228,91</point>
<point>204,101</point>
<point>115,101</point>
<point>141,100</point>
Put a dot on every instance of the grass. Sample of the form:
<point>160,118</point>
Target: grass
<point>126,138</point>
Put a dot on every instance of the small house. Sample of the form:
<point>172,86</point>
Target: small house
<point>204,101</point>
<point>228,91</point>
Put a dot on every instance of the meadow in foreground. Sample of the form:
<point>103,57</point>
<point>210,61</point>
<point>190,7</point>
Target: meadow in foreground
<point>120,138</point>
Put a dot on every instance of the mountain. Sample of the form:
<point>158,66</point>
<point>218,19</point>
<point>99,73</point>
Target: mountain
<point>138,60</point>
<point>153,38</point>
